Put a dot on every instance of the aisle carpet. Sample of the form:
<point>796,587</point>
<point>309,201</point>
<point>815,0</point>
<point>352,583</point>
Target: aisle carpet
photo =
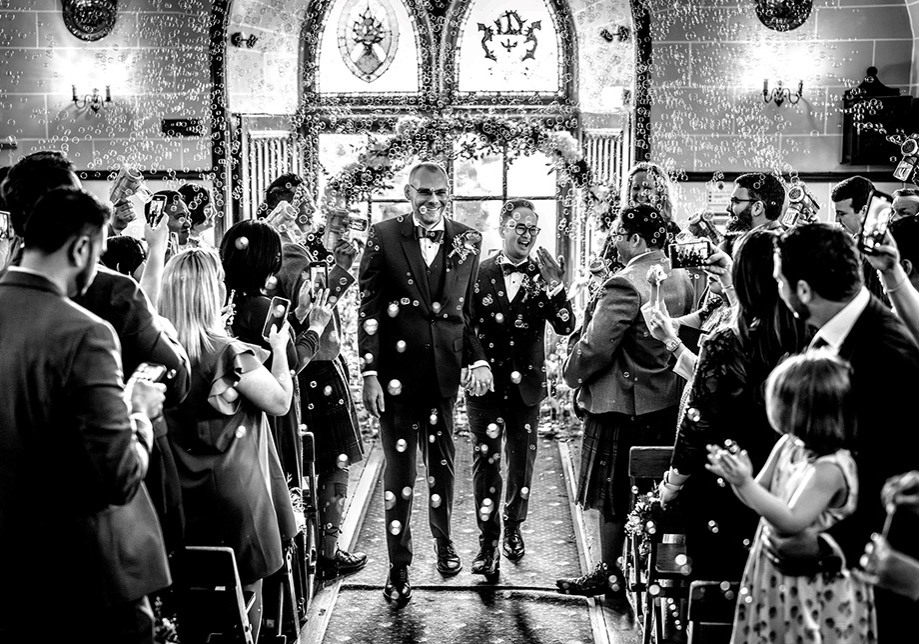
<point>521,607</point>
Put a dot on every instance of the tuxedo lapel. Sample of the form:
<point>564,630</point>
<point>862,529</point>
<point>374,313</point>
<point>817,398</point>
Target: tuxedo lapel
<point>499,288</point>
<point>415,260</point>
<point>450,266</point>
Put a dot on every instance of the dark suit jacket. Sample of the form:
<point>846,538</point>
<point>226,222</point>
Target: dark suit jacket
<point>616,362</point>
<point>396,305</point>
<point>120,301</point>
<point>513,334</point>
<point>73,508</point>
<point>885,372</point>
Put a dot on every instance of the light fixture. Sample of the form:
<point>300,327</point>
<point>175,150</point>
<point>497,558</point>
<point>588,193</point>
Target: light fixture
<point>617,32</point>
<point>780,94</point>
<point>92,101</point>
<point>238,40</point>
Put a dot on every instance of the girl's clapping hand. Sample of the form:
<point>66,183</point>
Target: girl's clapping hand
<point>735,468</point>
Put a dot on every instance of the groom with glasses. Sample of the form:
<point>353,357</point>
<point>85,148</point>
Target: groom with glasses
<point>515,296</point>
<point>416,345</point>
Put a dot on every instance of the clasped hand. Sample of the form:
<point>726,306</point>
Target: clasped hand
<point>477,380</point>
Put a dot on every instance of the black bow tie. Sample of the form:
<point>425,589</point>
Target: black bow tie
<point>509,269</point>
<point>434,235</point>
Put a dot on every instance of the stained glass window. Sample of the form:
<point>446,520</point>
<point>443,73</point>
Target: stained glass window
<point>509,49</point>
<point>368,46</point>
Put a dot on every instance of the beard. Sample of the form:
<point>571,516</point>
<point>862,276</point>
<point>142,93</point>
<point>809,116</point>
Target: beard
<point>740,223</point>
<point>84,278</point>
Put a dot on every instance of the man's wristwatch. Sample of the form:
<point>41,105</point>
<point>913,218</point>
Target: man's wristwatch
<point>673,345</point>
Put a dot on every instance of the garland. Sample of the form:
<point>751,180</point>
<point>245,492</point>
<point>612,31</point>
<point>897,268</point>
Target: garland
<point>478,137</point>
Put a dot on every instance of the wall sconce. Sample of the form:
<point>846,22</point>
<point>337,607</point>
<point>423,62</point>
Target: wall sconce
<point>780,94</point>
<point>92,101</point>
<point>238,40</point>
<point>618,32</point>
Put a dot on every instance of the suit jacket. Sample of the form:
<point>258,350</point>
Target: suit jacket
<point>397,306</point>
<point>73,508</point>
<point>120,301</point>
<point>617,363</point>
<point>513,334</point>
<point>885,371</point>
<point>294,263</point>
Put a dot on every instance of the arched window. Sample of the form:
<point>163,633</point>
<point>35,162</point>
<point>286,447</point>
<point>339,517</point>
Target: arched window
<point>367,63</point>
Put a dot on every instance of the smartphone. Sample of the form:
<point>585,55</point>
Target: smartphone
<point>319,275</point>
<point>689,254</point>
<point>157,210</point>
<point>6,225</point>
<point>875,221</point>
<point>150,372</point>
<point>277,314</point>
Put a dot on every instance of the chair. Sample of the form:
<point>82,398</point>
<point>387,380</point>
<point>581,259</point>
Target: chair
<point>711,611</point>
<point>212,606</point>
<point>663,574</point>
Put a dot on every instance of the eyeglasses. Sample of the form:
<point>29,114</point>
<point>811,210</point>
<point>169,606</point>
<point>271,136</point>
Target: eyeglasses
<point>523,229</point>
<point>427,193</point>
<point>735,200</point>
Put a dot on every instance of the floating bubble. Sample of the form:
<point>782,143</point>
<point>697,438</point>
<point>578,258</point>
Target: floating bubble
<point>389,500</point>
<point>394,387</point>
<point>327,390</point>
<point>524,492</point>
<point>392,310</point>
<point>516,377</point>
<point>492,431</point>
<point>435,501</point>
<point>242,243</point>
<point>342,461</point>
<point>241,431</point>
<point>400,346</point>
<point>395,527</point>
<point>407,492</point>
<point>272,283</point>
<point>371,327</point>
<point>401,445</point>
<point>693,414</point>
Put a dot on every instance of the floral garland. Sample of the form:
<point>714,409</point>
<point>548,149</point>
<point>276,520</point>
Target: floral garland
<point>640,523</point>
<point>477,137</point>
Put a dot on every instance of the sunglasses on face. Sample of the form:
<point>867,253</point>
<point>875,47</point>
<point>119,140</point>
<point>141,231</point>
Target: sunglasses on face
<point>427,193</point>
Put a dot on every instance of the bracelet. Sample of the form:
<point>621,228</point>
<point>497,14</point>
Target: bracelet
<point>668,484</point>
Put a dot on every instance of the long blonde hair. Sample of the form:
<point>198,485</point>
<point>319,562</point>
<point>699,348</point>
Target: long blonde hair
<point>663,187</point>
<point>190,298</point>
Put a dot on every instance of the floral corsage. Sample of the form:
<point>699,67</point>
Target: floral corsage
<point>465,243</point>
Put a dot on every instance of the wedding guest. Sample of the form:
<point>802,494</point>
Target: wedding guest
<point>627,389</point>
<point>415,336</point>
<point>178,220</point>
<point>850,201</point>
<point>758,201</point>
<point>818,270</point>
<point>233,488</point>
<point>808,482</point>
<point>885,566</point>
<point>905,203</point>
<point>516,296</point>
<point>727,386</point>
<point>326,406</point>
<point>897,262</point>
<point>68,429</point>
<point>127,255</point>
<point>201,210</point>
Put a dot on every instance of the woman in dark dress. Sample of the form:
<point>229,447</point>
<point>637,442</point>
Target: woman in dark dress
<point>725,402</point>
<point>233,489</point>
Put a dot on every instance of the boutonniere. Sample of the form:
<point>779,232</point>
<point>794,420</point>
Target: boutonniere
<point>465,243</point>
<point>532,285</point>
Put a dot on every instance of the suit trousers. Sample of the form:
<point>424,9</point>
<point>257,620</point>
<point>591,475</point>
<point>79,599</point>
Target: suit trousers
<point>492,422</point>
<point>422,421</point>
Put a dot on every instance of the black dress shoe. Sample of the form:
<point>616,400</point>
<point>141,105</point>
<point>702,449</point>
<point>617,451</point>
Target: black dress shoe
<point>398,590</point>
<point>448,562</point>
<point>343,563</point>
<point>592,584</point>
<point>513,546</point>
<point>487,562</point>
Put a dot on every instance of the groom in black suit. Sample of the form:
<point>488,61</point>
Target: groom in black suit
<point>416,342</point>
<point>515,296</point>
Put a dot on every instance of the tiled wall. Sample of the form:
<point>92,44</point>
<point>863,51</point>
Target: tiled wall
<point>709,66</point>
<point>156,62</point>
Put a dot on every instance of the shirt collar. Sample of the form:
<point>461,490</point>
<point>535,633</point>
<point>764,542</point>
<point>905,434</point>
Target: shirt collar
<point>837,329</point>
<point>637,257</point>
<point>503,259</point>
<point>438,226</point>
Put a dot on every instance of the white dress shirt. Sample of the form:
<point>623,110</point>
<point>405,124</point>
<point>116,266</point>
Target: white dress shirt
<point>429,247</point>
<point>837,329</point>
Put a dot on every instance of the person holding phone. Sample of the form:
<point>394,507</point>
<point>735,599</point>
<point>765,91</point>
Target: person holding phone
<point>233,488</point>
<point>326,405</point>
<point>850,199</point>
<point>416,341</point>
<point>627,390</point>
<point>178,218</point>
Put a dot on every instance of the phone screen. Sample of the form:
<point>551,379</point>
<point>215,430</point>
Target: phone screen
<point>874,224</point>
<point>6,225</point>
<point>319,275</point>
<point>277,314</point>
<point>689,254</point>
<point>149,372</point>
<point>157,209</point>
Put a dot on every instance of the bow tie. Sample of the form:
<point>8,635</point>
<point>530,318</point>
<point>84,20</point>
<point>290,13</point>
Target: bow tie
<point>510,269</point>
<point>423,233</point>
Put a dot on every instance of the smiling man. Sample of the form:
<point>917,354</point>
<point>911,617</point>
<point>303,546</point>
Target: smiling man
<point>415,337</point>
<point>758,201</point>
<point>515,296</point>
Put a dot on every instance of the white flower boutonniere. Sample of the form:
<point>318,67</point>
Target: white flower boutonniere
<point>465,243</point>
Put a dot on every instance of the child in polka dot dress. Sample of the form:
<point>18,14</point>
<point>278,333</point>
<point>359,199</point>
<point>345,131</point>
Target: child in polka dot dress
<point>809,482</point>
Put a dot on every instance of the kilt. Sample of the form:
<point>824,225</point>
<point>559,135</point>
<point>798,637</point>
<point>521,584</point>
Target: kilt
<point>328,412</point>
<point>603,478</point>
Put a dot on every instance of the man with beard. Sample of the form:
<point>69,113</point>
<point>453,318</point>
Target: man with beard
<point>69,431</point>
<point>758,201</point>
<point>850,201</point>
<point>415,335</point>
<point>818,271</point>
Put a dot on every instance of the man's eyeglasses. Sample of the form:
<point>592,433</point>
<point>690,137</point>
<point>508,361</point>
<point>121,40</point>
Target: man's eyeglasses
<point>735,200</point>
<point>523,229</point>
<point>427,193</point>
